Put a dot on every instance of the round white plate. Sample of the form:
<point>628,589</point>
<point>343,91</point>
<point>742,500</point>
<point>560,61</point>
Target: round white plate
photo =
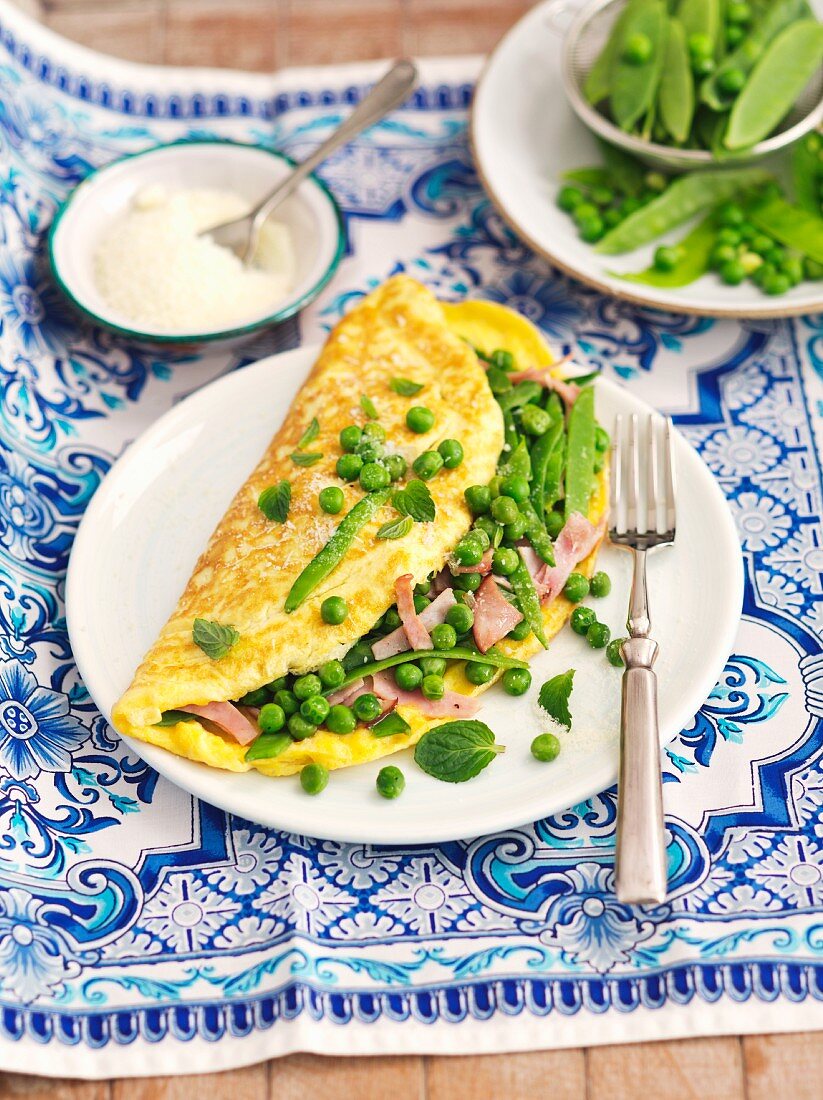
<point>524,135</point>
<point>154,512</point>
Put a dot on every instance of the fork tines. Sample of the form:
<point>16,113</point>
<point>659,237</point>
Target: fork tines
<point>642,482</point>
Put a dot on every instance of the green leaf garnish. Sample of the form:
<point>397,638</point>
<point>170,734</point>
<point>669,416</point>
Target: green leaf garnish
<point>275,501</point>
<point>554,697</point>
<point>310,434</point>
<point>391,724</point>
<point>416,501</point>
<point>368,407</point>
<point>395,528</point>
<point>267,746</point>
<point>307,458</point>
<point>456,751</point>
<point>215,639</point>
<point>172,717</point>
<point>405,387</point>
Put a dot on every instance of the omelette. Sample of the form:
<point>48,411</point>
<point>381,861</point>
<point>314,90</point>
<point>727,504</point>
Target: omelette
<point>367,521</point>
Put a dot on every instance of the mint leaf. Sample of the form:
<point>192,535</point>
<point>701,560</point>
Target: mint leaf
<point>395,528</point>
<point>554,697</point>
<point>405,387</point>
<point>275,501</point>
<point>391,724</point>
<point>267,746</point>
<point>310,434</point>
<point>307,458</point>
<point>456,751</point>
<point>215,639</point>
<point>368,407</point>
<point>172,717</point>
<point>416,501</point>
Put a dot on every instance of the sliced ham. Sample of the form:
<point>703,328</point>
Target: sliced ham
<point>347,694</point>
<point>452,705</point>
<point>568,392</point>
<point>440,582</point>
<point>483,567</point>
<point>535,565</point>
<point>430,617</point>
<point>574,543</point>
<point>413,625</point>
<point>229,718</point>
<point>494,616</point>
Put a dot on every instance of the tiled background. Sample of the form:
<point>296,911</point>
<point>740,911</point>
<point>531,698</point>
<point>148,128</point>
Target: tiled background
<point>268,34</point>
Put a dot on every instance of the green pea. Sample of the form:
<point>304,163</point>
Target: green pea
<point>390,782</point>
<point>433,687</point>
<point>499,381</point>
<point>731,81</point>
<point>359,654</point>
<point>613,653</point>
<point>748,231</point>
<point>598,635</point>
<point>765,271</point>
<point>700,45</point>
<point>334,610</point>
<point>611,218</point>
<point>468,551</point>
<point>332,674</point>
<point>494,486</point>
<point>460,618</point>
<point>331,499</point>
<point>503,359</point>
<point>666,257</point>
<point>254,698</point>
<point>271,718</point>
<point>638,49</point>
<point>419,419</point>
<point>602,196</point>
<point>585,211</point>
<point>520,632</point>
<point>703,66</point>
<point>340,719</point>
<point>306,686</point>
<point>516,681</point>
<point>422,589</point>
<point>568,198</point>
<point>761,243</point>
<point>427,465</point>
<point>433,666</point>
<point>444,636</point>
<point>602,442</point>
<point>734,35</point>
<point>504,510</point>
<point>299,728</point>
<point>314,778</point>
<point>390,621</point>
<point>774,255</point>
<point>656,182</point>
<point>287,702</point>
<point>478,674</point>
<point>350,436</point>
<point>600,584</point>
<point>277,685</point>
<point>370,450</point>
<point>728,235</point>
<point>554,524</point>
<point>373,430</point>
<point>722,254</point>
<point>516,487</point>
<point>534,420</point>
<point>420,602</point>
<point>505,561</point>
<point>451,451</point>
<point>732,272</point>
<point>776,284</point>
<point>738,11</point>
<point>408,677</point>
<point>373,476</point>
<point>349,466</point>
<point>478,498</point>
<point>730,213</point>
<point>516,529</point>
<point>591,229</point>
<point>396,465</point>
<point>629,205</point>
<point>545,748</point>
<point>367,707</point>
<point>315,709</point>
<point>581,619</point>
<point>576,587</point>
<point>467,582</point>
<point>488,526</point>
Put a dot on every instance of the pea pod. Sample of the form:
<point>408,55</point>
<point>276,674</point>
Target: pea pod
<point>625,173</point>
<point>518,462</point>
<point>598,83</point>
<point>541,454</point>
<point>807,172</point>
<point>676,100</point>
<point>634,85</point>
<point>459,653</point>
<point>523,585</point>
<point>329,557</point>
<point>536,532</point>
<point>511,436</point>
<point>554,474</point>
<point>520,395</point>
<point>791,225</point>
<point>681,200</point>
<point>588,177</point>
<point>267,746</point>
<point>778,78</point>
<point>580,457</point>
<point>697,247</point>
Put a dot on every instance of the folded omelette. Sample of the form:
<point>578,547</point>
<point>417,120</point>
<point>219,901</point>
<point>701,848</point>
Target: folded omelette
<point>254,615</point>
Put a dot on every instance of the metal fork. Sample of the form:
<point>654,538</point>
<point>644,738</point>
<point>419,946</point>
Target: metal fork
<point>640,866</point>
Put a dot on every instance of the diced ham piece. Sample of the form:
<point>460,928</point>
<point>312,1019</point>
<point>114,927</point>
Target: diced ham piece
<point>229,718</point>
<point>574,543</point>
<point>483,567</point>
<point>494,616</point>
<point>347,694</point>
<point>413,625</point>
<point>568,392</point>
<point>452,705</point>
<point>430,617</point>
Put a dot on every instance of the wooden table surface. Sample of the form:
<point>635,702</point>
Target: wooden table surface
<point>264,34</point>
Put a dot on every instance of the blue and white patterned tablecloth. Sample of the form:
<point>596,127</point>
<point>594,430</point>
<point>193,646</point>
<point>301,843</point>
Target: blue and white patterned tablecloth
<point>142,931</point>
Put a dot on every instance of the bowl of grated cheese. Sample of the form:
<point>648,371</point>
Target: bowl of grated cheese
<point>130,246</point>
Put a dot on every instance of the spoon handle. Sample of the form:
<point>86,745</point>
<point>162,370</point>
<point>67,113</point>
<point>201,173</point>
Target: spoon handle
<point>393,88</point>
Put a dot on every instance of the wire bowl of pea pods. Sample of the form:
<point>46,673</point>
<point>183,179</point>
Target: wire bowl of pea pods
<point>696,83</point>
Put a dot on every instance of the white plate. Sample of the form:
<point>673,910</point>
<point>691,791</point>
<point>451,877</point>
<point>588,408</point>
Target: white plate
<point>524,134</point>
<point>154,512</point>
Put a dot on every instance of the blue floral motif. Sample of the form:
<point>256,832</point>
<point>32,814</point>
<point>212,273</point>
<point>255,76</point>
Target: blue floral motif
<point>37,731</point>
<point>32,307</point>
<point>34,957</point>
<point>761,522</point>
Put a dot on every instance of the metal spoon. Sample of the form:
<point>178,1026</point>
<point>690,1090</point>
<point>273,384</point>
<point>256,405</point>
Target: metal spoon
<point>242,234</point>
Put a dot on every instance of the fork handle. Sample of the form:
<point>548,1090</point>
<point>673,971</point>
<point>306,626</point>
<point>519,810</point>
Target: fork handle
<point>640,865</point>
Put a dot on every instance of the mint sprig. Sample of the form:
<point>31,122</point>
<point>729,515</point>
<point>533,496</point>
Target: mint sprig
<point>275,501</point>
<point>415,501</point>
<point>554,697</point>
<point>368,407</point>
<point>405,387</point>
<point>456,751</point>
<point>395,528</point>
<point>306,458</point>
<point>310,434</point>
<point>215,639</point>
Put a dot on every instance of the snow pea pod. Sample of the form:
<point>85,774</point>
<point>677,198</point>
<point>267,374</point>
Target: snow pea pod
<point>523,585</point>
<point>635,84</point>
<point>536,532</point>
<point>518,464</point>
<point>598,83</point>
<point>807,172</point>
<point>588,177</point>
<point>777,79</point>
<point>329,557</point>
<point>541,454</point>
<point>696,248</point>
<point>580,457</point>
<point>625,173</point>
<point>520,395</point>
<point>676,99</point>
<point>791,225</point>
<point>267,746</point>
<point>681,200</point>
<point>700,17</point>
<point>460,653</point>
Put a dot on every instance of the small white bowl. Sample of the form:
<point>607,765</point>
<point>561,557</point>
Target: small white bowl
<point>311,214</point>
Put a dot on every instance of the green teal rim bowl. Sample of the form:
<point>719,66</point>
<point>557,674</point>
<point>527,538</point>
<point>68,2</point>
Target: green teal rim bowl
<point>311,213</point>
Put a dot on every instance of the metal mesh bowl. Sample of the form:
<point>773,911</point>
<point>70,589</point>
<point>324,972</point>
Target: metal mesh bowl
<point>583,41</point>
